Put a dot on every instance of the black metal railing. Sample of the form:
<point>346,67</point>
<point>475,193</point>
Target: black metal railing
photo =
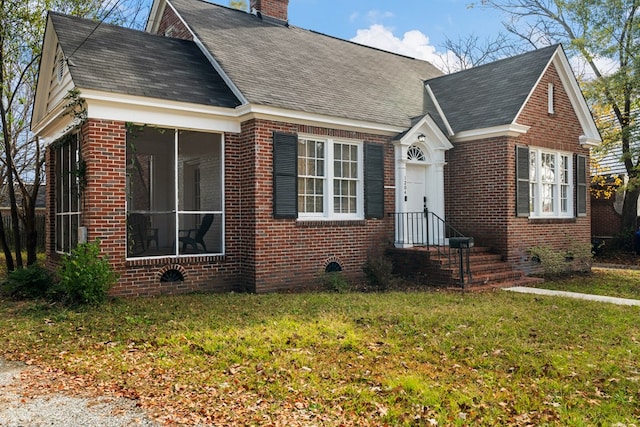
<point>429,230</point>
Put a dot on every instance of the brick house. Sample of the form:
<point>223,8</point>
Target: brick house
<point>225,150</point>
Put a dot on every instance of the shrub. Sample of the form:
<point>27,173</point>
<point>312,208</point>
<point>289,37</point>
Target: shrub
<point>336,282</point>
<point>85,277</point>
<point>552,262</point>
<point>30,282</point>
<point>582,255</point>
<point>378,270</point>
<point>624,241</point>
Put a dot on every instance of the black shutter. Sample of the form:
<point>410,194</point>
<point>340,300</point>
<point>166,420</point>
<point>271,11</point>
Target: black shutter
<point>285,175</point>
<point>373,180</point>
<point>522,182</point>
<point>581,185</point>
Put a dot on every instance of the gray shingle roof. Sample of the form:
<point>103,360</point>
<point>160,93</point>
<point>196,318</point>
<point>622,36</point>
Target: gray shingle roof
<point>488,95</point>
<point>301,70</point>
<point>131,62</point>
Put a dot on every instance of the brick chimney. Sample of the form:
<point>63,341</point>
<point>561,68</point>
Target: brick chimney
<point>272,8</point>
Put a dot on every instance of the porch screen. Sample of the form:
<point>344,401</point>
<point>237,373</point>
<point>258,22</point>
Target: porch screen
<point>174,192</point>
<point>67,193</point>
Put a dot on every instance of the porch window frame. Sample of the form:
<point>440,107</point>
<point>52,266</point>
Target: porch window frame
<point>68,151</point>
<point>329,179</point>
<point>182,212</point>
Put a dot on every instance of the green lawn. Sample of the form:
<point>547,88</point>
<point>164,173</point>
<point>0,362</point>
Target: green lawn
<point>610,282</point>
<point>398,358</point>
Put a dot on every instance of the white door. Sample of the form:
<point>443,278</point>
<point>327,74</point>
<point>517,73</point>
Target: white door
<point>416,193</point>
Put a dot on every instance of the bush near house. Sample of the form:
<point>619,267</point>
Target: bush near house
<point>84,276</point>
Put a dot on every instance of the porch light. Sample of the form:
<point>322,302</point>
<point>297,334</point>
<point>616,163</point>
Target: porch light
<point>422,138</point>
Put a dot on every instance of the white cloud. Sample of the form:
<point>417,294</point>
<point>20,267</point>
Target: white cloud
<point>376,16</point>
<point>607,66</point>
<point>413,43</point>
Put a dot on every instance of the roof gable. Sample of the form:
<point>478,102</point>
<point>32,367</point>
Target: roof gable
<point>121,60</point>
<point>489,95</point>
<point>489,99</point>
<point>283,66</point>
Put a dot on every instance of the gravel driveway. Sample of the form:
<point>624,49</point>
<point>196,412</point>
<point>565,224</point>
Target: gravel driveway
<point>60,410</point>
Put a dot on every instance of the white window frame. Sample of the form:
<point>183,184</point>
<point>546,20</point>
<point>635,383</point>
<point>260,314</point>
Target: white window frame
<point>68,154</point>
<point>328,181</point>
<point>177,212</point>
<point>562,178</point>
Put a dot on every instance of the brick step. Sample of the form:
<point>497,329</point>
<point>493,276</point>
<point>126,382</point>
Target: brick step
<point>483,262</point>
<point>479,268</point>
<point>487,268</point>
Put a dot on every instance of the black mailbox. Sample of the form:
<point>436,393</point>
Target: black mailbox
<point>460,242</point>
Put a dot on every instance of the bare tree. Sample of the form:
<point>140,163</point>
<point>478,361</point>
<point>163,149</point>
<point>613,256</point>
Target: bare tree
<point>470,51</point>
<point>22,26</point>
<point>604,35</point>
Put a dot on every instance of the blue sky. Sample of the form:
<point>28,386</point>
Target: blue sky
<point>415,28</point>
<point>434,18</point>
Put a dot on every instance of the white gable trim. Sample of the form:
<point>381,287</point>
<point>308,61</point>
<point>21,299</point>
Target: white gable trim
<point>491,132</point>
<point>591,135</point>
<point>266,112</point>
<point>161,112</point>
<point>438,141</point>
<point>439,109</point>
<point>47,61</point>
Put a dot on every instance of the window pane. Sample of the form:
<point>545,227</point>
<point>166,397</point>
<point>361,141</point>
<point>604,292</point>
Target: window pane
<point>74,157</point>
<point>547,198</point>
<point>564,169</point>
<point>59,234</point>
<point>151,222</point>
<point>73,230</point>
<point>548,167</point>
<point>533,166</point>
<point>150,169</point>
<point>66,245</point>
<point>199,171</point>
<point>200,233</point>
<point>67,195</point>
<point>310,183</point>
<point>65,179</point>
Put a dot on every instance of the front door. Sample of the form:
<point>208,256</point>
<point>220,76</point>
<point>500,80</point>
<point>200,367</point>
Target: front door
<point>416,193</point>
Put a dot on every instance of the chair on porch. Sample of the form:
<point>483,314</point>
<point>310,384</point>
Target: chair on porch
<point>195,236</point>
<point>141,234</point>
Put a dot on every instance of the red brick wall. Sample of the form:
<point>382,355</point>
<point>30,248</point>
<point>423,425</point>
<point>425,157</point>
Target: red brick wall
<point>262,254</point>
<point>274,8</point>
<point>289,254</point>
<point>104,214</point>
<point>605,221</point>
<point>171,26</point>
<point>480,182</point>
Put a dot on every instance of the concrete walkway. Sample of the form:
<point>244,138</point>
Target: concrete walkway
<point>601,298</point>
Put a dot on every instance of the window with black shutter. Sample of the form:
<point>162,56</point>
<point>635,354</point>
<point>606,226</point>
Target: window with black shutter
<point>285,175</point>
<point>374,180</point>
<point>522,185</point>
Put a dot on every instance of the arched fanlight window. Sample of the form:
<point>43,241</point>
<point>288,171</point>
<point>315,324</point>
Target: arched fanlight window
<point>416,154</point>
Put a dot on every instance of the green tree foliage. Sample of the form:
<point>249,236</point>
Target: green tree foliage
<point>22,26</point>
<point>238,4</point>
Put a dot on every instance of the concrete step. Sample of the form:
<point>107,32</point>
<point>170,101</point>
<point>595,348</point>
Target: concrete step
<point>522,281</point>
